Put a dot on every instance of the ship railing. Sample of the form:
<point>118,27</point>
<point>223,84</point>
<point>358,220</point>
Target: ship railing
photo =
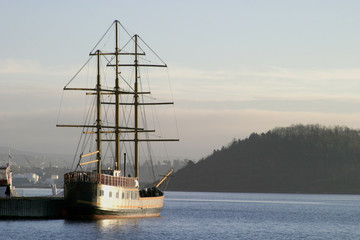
<point>105,179</point>
<point>117,181</point>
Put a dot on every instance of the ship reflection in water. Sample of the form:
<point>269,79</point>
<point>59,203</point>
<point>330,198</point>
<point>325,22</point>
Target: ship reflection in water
<point>108,224</point>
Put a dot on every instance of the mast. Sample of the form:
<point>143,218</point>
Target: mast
<point>117,100</point>
<point>98,117</point>
<point>116,128</point>
<point>136,105</point>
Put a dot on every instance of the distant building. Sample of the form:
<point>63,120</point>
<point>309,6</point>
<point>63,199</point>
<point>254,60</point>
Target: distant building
<point>52,180</point>
<point>30,177</point>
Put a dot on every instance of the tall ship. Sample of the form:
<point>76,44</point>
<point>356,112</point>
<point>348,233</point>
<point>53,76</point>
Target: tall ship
<point>95,190</point>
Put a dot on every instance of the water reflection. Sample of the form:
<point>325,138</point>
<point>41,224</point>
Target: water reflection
<point>106,224</point>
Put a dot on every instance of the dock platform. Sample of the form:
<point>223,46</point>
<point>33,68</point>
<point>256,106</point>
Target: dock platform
<point>32,208</point>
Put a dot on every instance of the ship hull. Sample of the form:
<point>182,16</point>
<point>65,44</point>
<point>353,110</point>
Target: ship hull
<point>88,211</point>
<point>85,200</point>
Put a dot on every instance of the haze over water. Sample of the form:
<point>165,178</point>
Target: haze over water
<point>235,67</point>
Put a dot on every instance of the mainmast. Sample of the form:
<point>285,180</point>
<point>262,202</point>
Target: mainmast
<point>136,105</point>
<point>98,114</point>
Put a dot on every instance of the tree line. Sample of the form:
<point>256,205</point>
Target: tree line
<point>295,159</point>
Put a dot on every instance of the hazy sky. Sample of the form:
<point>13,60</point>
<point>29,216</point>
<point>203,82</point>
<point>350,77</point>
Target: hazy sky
<point>236,67</point>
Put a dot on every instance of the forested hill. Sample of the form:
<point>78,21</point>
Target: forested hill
<point>296,159</point>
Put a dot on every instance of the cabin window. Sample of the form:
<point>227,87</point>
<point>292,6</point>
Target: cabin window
<point>117,194</point>
<point>110,194</point>
<point>123,195</point>
<point>101,193</point>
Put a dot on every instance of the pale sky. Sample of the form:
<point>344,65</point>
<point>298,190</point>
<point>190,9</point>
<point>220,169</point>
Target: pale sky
<point>235,67</point>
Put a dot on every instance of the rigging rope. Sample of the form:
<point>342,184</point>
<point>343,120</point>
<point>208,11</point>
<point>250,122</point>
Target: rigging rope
<point>172,99</point>
<point>61,101</point>
<point>152,51</point>
<point>78,72</point>
<point>126,118</point>
<point>103,36</point>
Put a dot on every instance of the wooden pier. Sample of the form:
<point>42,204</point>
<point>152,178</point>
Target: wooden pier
<point>32,208</point>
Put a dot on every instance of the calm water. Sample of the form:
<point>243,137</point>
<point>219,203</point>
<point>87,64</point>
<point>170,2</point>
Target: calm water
<point>215,216</point>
